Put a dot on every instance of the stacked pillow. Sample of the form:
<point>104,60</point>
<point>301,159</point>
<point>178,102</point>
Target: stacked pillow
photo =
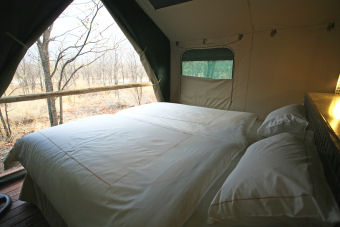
<point>279,181</point>
<point>289,118</point>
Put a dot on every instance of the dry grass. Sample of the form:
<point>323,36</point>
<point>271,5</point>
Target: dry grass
<point>31,116</point>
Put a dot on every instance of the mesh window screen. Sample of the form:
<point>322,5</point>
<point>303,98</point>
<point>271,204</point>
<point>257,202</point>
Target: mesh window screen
<point>214,63</point>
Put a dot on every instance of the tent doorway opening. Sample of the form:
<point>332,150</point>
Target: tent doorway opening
<point>84,48</point>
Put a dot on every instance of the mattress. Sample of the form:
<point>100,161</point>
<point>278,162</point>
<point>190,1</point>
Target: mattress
<point>151,164</point>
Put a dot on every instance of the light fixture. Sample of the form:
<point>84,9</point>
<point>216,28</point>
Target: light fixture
<point>337,88</point>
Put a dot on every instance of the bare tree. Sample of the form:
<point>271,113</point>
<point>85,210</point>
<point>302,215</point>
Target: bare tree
<point>29,74</point>
<point>116,66</point>
<point>67,63</point>
<point>135,72</point>
<point>43,47</point>
<point>5,123</point>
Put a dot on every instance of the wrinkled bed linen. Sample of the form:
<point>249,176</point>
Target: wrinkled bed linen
<point>148,165</point>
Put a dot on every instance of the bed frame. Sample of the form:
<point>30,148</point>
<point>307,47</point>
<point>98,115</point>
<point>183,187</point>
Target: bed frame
<point>327,143</point>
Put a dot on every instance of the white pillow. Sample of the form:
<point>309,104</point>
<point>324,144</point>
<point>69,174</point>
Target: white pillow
<point>272,186</point>
<point>289,118</point>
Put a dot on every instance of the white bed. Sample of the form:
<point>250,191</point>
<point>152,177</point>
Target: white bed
<point>145,166</point>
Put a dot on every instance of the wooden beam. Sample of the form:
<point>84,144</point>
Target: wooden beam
<point>21,98</point>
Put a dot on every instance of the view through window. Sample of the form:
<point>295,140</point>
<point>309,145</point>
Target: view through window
<point>83,48</point>
<point>214,63</point>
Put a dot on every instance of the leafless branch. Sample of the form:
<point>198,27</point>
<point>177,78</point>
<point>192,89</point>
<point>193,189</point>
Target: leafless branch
<point>77,69</point>
<point>96,51</point>
<point>61,35</point>
<point>98,7</point>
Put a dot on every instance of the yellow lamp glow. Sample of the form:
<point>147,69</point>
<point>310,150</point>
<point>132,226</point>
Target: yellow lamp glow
<point>336,110</point>
<point>334,113</point>
<point>337,88</point>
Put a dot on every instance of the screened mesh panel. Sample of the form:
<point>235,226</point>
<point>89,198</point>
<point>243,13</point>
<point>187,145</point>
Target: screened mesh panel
<point>208,69</point>
<point>215,63</point>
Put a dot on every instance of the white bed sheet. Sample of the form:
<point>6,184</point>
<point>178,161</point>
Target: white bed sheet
<point>148,165</point>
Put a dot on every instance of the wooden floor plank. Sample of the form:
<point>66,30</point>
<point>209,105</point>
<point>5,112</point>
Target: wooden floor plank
<point>21,213</point>
<point>17,203</point>
<point>35,220</point>
<point>16,220</point>
<point>26,207</point>
<point>41,223</point>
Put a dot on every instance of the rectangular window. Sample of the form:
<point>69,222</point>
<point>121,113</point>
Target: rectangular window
<point>208,63</point>
<point>208,69</point>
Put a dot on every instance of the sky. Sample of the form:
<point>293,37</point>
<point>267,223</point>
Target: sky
<point>80,8</point>
<point>69,20</point>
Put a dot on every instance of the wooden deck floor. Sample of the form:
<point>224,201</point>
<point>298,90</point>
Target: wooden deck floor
<point>21,214</point>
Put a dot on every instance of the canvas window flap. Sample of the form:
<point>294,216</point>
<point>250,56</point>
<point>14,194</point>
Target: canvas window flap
<point>206,92</point>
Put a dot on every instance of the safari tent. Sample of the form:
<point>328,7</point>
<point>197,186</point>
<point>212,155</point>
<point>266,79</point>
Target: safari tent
<point>259,55</point>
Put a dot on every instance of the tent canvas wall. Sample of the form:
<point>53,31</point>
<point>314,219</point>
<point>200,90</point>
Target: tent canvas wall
<point>269,71</point>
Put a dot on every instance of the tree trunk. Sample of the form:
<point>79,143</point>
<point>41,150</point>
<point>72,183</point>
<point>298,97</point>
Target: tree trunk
<point>45,62</point>
<point>115,72</point>
<point>61,117</point>
<point>139,93</point>
<point>2,135</point>
<point>40,81</point>
<point>7,120</point>
<point>4,125</point>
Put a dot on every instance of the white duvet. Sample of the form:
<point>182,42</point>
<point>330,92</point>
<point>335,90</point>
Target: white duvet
<point>145,166</point>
